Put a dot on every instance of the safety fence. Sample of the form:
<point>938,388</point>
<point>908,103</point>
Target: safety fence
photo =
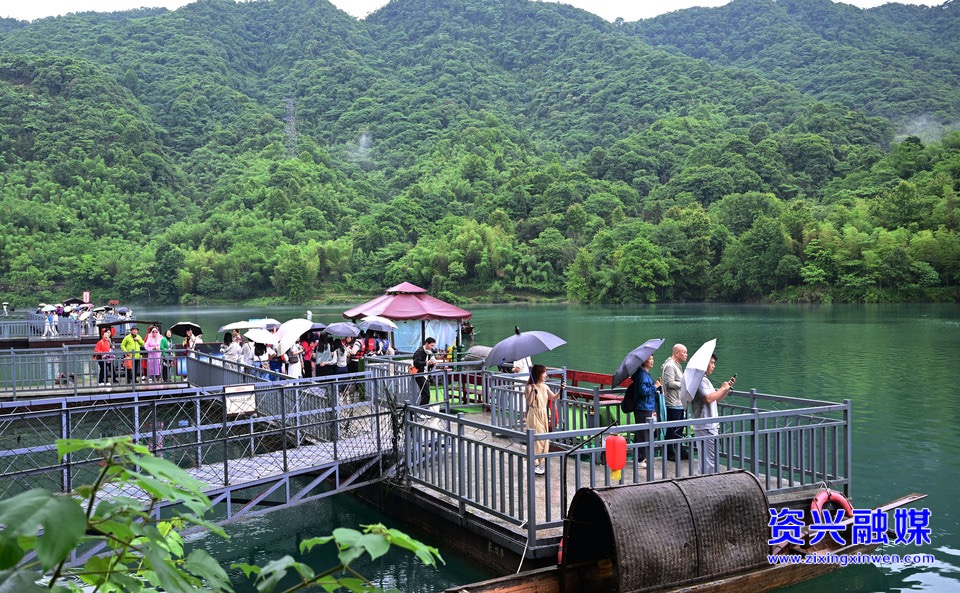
<point>487,471</point>
<point>35,325</point>
<point>467,447</point>
<point>76,370</point>
<point>228,440</point>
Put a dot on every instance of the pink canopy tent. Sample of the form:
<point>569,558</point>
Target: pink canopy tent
<point>408,303</point>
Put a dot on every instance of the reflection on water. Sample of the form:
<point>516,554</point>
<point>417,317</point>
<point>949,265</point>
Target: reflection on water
<point>893,362</point>
<point>258,540</point>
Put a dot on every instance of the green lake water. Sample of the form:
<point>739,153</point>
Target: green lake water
<point>894,362</point>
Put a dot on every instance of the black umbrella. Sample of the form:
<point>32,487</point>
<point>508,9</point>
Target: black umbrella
<point>522,345</point>
<point>635,359</point>
<point>180,328</point>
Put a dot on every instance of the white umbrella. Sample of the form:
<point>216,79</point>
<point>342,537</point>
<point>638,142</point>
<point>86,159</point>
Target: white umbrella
<point>696,369</point>
<point>47,308</point>
<point>376,323</point>
<point>291,330</point>
<point>261,336</point>
<point>250,324</point>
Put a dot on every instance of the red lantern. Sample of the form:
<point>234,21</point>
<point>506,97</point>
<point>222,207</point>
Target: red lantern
<point>616,454</point>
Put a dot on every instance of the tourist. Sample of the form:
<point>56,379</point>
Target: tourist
<point>247,353</point>
<point>538,396</point>
<point>230,349</point>
<point>152,345</point>
<point>704,405</point>
<point>167,354</point>
<point>646,390</point>
<point>672,380</point>
<point>308,342</point>
<point>131,345</point>
<point>294,359</point>
<point>275,360</point>
<point>326,365</point>
<point>341,357</point>
<point>50,325</point>
<point>189,340</point>
<point>354,348</point>
<point>103,353</point>
<point>423,361</point>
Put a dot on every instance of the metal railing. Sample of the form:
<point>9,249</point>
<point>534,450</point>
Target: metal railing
<point>480,467</point>
<point>793,444</point>
<point>227,440</point>
<point>34,325</point>
<point>74,370</point>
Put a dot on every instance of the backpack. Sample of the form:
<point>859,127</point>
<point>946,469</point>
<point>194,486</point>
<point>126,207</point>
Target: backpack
<point>629,402</point>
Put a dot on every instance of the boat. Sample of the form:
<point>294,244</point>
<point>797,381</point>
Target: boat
<point>699,534</point>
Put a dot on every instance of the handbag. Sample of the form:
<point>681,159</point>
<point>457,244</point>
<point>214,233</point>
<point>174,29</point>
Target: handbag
<point>629,402</point>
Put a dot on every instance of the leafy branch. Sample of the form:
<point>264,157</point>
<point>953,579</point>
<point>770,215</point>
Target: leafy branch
<point>41,531</point>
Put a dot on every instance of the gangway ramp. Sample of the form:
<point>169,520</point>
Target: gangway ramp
<point>304,440</point>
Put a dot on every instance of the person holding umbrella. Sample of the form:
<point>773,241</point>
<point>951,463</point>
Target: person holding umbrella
<point>646,389</point>
<point>704,405</point>
<point>538,395</point>
<point>423,360</point>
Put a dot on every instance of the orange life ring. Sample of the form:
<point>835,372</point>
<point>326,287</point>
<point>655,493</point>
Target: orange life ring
<point>831,496</point>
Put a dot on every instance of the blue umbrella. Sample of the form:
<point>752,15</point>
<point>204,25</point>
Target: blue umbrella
<point>635,359</point>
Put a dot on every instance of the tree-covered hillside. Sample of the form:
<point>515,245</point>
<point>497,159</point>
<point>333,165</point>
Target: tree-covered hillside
<point>898,61</point>
<point>486,149</point>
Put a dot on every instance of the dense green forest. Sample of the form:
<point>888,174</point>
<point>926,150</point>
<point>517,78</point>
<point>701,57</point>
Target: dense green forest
<point>484,149</point>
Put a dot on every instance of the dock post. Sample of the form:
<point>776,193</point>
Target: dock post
<point>284,428</point>
<point>848,445</point>
<point>461,456</point>
<point>531,491</point>
<point>66,482</point>
<point>226,444</point>
<point>651,435</point>
<point>755,443</point>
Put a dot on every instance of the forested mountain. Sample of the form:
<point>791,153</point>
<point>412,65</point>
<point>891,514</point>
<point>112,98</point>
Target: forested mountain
<point>898,61</point>
<point>491,149</point>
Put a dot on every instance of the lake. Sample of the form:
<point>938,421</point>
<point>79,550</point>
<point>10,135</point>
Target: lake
<point>888,360</point>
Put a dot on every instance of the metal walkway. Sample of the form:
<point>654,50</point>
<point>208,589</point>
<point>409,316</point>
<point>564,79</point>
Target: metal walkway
<point>272,445</point>
<point>466,459</point>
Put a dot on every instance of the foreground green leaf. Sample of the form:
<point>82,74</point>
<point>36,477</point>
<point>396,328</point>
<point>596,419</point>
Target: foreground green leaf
<point>60,517</point>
